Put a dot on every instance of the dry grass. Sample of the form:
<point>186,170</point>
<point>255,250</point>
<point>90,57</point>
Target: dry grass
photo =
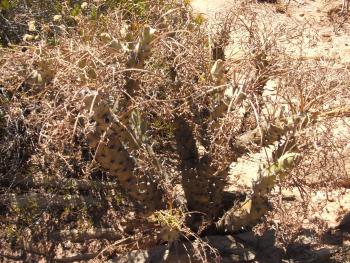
<point>50,180</point>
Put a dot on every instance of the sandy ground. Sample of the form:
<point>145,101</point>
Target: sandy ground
<point>334,39</point>
<point>210,7</point>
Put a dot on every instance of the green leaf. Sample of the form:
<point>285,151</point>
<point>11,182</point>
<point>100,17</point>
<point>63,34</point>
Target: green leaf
<point>94,14</point>
<point>4,5</point>
<point>76,10</point>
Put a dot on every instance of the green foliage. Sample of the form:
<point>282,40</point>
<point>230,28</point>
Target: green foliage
<point>42,12</point>
<point>171,223</point>
<point>4,5</point>
<point>165,127</point>
<point>137,7</point>
<point>11,231</point>
<point>75,10</point>
<point>94,13</point>
<point>199,19</point>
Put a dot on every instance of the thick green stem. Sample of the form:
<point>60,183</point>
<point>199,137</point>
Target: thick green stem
<point>202,187</point>
<point>249,212</point>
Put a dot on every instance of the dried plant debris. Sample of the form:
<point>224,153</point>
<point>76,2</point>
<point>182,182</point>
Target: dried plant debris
<point>122,126</point>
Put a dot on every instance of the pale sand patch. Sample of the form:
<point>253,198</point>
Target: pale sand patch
<point>210,7</point>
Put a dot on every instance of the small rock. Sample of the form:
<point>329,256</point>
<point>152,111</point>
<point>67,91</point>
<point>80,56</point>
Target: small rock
<point>84,5</point>
<point>57,18</point>
<point>31,26</point>
<point>28,37</point>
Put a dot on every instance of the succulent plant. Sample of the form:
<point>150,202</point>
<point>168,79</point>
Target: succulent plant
<point>251,210</point>
<point>114,144</point>
<point>116,137</point>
